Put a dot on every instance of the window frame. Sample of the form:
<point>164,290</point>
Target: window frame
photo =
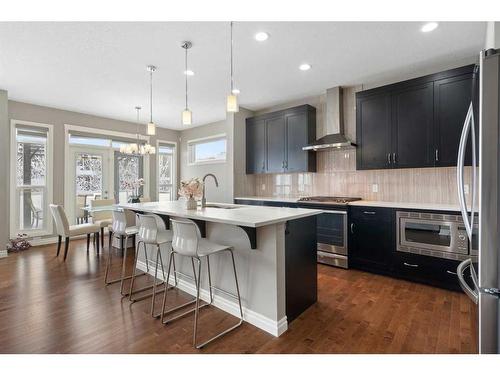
<point>160,142</point>
<point>49,178</point>
<point>192,142</point>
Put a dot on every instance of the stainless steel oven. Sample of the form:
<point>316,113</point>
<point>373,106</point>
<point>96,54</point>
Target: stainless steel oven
<point>439,235</point>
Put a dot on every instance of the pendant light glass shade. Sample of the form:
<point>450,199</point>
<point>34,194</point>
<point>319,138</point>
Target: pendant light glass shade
<point>187,117</point>
<point>151,130</point>
<point>232,103</point>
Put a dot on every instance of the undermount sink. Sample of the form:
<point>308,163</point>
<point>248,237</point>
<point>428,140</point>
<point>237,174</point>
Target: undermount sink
<point>220,206</point>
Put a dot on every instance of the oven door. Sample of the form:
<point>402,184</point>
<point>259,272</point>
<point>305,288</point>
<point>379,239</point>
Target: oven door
<point>433,235</point>
<point>332,232</point>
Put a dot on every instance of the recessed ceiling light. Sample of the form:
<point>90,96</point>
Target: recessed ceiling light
<point>235,91</point>
<point>189,72</point>
<point>305,67</point>
<point>261,36</point>
<point>429,26</point>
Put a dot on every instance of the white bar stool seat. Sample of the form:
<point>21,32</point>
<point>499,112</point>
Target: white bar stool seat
<point>186,242</point>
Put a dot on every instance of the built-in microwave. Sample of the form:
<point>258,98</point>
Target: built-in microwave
<point>439,235</point>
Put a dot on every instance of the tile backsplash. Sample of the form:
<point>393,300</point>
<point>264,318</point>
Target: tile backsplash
<point>337,176</point>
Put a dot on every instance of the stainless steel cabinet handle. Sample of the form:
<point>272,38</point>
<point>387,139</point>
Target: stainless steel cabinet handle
<point>369,212</point>
<point>410,265</point>
<point>388,158</point>
<point>437,154</point>
<point>352,228</point>
<point>451,272</point>
<point>394,157</point>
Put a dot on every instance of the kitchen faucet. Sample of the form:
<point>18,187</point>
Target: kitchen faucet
<point>203,199</point>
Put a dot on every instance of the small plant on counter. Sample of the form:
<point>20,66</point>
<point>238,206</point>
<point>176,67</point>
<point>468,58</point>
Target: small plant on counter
<point>190,190</point>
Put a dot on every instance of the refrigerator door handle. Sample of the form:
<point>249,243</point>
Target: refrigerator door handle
<point>460,171</point>
<point>472,293</point>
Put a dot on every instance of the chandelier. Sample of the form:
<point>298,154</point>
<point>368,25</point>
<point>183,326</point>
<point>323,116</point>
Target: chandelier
<point>137,148</point>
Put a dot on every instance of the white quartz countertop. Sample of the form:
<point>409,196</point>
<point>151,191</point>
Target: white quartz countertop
<point>407,205</point>
<point>248,216</point>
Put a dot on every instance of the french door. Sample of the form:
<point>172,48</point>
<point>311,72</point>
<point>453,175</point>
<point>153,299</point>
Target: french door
<point>90,178</point>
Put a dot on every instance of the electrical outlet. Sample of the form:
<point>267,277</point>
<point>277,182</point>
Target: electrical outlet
<point>466,189</point>
<point>374,188</point>
<point>263,187</point>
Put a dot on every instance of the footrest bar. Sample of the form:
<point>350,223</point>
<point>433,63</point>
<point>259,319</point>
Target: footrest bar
<point>175,308</point>
<point>219,335</point>
<point>125,278</point>
<point>184,313</point>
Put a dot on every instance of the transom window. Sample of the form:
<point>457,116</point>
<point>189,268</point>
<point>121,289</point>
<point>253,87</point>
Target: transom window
<point>207,150</point>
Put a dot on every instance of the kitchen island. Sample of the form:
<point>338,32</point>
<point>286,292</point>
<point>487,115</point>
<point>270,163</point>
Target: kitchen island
<point>275,253</point>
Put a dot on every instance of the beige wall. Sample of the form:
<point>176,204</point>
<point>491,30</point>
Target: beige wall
<point>58,118</point>
<point>4,169</point>
<point>223,171</point>
<point>336,170</point>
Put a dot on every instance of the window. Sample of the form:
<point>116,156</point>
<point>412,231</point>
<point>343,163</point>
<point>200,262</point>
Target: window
<point>207,150</point>
<point>88,141</point>
<point>31,170</point>
<point>128,169</point>
<point>166,171</point>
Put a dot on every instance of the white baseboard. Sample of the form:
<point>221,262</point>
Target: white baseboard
<point>275,328</point>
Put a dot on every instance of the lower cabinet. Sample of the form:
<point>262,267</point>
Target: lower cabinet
<point>371,239</point>
<point>372,248</point>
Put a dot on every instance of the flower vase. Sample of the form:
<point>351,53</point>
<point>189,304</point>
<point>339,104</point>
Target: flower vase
<point>190,203</point>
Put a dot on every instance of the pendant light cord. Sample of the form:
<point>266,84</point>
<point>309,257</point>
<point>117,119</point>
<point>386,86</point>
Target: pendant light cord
<point>185,73</point>
<point>231,57</point>
<point>151,95</point>
<point>137,124</point>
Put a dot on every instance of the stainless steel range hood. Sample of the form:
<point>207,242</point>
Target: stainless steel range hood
<point>335,136</point>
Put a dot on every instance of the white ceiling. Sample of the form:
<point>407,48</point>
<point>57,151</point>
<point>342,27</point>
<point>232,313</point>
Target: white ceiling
<point>100,68</point>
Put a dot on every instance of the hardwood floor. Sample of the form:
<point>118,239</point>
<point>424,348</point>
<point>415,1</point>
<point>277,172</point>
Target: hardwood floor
<point>47,306</point>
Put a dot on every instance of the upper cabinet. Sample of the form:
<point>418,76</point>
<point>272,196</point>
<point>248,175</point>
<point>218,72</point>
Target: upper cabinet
<point>413,124</point>
<point>274,141</point>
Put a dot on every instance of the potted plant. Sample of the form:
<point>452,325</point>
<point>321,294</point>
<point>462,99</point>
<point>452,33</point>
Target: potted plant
<point>190,190</point>
<point>135,188</point>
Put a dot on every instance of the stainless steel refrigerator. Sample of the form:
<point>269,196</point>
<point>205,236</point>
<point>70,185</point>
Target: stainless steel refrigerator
<point>479,275</point>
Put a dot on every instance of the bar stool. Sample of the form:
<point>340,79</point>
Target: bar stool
<point>150,234</point>
<point>123,227</point>
<point>186,242</point>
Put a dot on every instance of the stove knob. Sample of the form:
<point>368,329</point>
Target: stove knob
<point>461,237</point>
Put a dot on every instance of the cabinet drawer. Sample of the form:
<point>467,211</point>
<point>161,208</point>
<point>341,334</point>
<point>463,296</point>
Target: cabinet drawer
<point>429,270</point>
<point>375,213</point>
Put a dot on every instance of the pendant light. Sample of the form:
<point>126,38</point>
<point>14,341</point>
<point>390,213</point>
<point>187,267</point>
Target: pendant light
<point>151,129</point>
<point>187,115</point>
<point>137,148</point>
<point>232,99</point>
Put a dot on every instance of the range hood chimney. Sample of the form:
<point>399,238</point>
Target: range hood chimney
<point>335,132</point>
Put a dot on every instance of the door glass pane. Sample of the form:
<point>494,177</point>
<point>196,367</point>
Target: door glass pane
<point>432,234</point>
<point>165,173</point>
<point>31,177</point>
<point>128,170</point>
<point>89,178</point>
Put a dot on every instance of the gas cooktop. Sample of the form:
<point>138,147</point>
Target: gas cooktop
<point>329,200</point>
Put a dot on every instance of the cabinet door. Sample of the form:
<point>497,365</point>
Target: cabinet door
<point>256,147</point>
<point>371,239</point>
<point>275,128</point>
<point>296,138</point>
<point>452,97</point>
<point>412,124</point>
<point>373,128</point>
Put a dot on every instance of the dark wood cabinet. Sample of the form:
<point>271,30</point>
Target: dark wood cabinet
<point>371,238</point>
<point>452,97</point>
<point>373,131</point>
<point>415,123</point>
<point>412,119</point>
<point>274,141</point>
<point>256,146</point>
<point>276,144</point>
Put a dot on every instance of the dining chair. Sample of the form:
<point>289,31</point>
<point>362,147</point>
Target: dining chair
<point>63,229</point>
<point>80,212</point>
<point>102,218</point>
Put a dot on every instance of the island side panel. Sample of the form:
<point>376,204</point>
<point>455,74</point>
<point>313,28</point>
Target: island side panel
<point>300,265</point>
